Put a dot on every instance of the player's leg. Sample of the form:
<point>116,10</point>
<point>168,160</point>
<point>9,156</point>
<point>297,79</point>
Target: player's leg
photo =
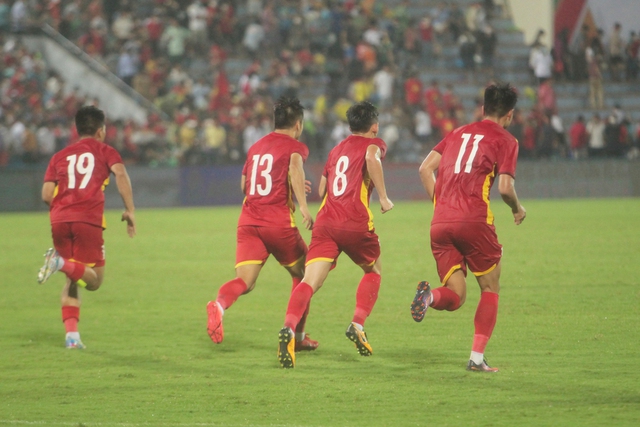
<point>452,272</point>
<point>314,276</point>
<point>303,341</point>
<point>485,319</point>
<point>288,247</point>
<point>484,261</point>
<point>364,250</point>
<point>251,254</point>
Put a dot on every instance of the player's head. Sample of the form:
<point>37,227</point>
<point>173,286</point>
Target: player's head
<point>288,113</point>
<point>90,121</point>
<point>499,101</point>
<point>363,117</point>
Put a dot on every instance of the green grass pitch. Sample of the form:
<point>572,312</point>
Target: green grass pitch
<point>567,338</point>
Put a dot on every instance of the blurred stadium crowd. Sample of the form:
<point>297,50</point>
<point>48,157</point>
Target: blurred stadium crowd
<point>176,53</point>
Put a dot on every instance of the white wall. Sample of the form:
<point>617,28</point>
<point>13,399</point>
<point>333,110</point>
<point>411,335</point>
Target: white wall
<point>532,15</point>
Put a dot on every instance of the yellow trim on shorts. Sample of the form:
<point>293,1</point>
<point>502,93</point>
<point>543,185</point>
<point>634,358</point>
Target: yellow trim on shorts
<point>319,259</point>
<point>450,272</point>
<point>482,273</point>
<point>294,262</point>
<point>88,264</point>
<point>250,262</point>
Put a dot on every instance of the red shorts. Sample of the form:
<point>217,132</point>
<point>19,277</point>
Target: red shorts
<point>327,243</point>
<point>79,241</point>
<point>254,244</point>
<point>457,244</point>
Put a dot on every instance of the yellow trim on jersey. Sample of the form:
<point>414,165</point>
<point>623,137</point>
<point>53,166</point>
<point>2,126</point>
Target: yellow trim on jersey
<point>486,187</point>
<point>294,262</point>
<point>482,273</point>
<point>55,191</point>
<point>365,201</point>
<point>290,204</point>
<point>450,272</point>
<point>250,262</point>
<point>311,261</point>
<point>324,201</point>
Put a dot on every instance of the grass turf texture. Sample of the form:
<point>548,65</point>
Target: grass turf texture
<point>566,340</point>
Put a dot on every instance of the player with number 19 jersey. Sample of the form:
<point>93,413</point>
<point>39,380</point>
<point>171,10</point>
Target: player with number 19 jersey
<point>472,156</point>
<point>346,203</point>
<point>81,172</point>
<point>268,195</point>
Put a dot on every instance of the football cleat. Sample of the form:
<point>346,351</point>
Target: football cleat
<point>359,338</point>
<point>51,265</point>
<point>72,343</point>
<point>307,344</point>
<point>214,323</point>
<point>483,367</point>
<point>286,348</point>
<point>421,301</point>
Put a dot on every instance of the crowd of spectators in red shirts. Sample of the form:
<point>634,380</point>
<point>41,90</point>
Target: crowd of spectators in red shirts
<point>180,54</point>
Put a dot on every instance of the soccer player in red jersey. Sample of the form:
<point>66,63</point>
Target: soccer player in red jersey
<point>74,190</point>
<point>344,224</point>
<point>462,230</point>
<point>272,173</point>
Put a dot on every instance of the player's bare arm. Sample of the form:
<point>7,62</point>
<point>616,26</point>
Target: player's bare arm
<point>374,167</point>
<point>48,188</point>
<point>296,173</point>
<point>428,170</point>
<point>123,182</point>
<point>243,183</point>
<point>322,187</point>
<point>508,192</point>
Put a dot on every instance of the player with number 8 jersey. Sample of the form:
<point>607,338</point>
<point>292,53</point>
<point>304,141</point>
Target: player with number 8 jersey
<point>345,224</point>
<point>74,189</point>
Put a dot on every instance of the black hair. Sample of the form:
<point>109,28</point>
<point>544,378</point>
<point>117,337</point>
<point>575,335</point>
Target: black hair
<point>89,120</point>
<point>287,112</point>
<point>362,116</point>
<point>499,99</point>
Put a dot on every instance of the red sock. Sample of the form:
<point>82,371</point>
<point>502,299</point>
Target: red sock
<point>298,303</point>
<point>73,270</point>
<point>303,320</point>
<point>485,320</point>
<point>366,296</point>
<point>230,291</point>
<point>70,317</point>
<point>445,299</point>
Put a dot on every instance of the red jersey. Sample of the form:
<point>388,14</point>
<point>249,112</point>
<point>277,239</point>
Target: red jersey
<point>472,156</point>
<point>268,198</point>
<point>346,202</point>
<point>81,172</point>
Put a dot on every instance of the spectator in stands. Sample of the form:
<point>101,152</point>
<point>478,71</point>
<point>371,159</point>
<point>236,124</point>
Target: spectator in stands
<point>487,41</point>
<point>578,136</point>
<point>547,97</point>
<point>596,90</point>
<point>383,80</point>
<point>616,51</point>
<point>19,16</point>
<point>253,37</point>
<point>128,65</point>
<point>541,62</point>
<point>633,47</point>
<point>198,15</point>
<point>615,137</point>
<point>174,39</point>
<point>123,25</point>
<point>595,130</point>
<point>413,90</point>
<point>457,24</point>
<point>577,51</point>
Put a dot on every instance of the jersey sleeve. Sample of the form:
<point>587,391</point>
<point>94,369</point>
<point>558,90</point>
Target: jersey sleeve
<point>50,174</point>
<point>112,156</point>
<point>301,149</point>
<point>508,157</point>
<point>382,146</point>
<point>440,146</point>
